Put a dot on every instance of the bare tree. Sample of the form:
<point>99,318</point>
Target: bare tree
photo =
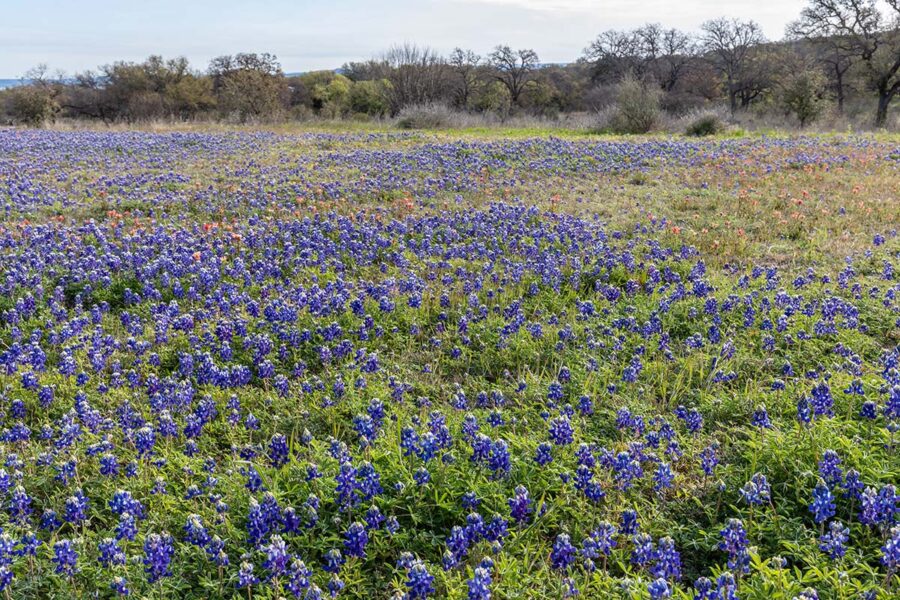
<point>465,65</point>
<point>834,52</point>
<point>514,68</point>
<point>730,44</point>
<point>418,75</point>
<point>865,33</point>
<point>613,54</point>
<point>648,51</point>
<point>678,51</point>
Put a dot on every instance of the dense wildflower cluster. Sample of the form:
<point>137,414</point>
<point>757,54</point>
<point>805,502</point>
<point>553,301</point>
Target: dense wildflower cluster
<point>220,389</point>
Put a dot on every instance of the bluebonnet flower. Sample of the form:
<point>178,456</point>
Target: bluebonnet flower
<point>804,413</point>
<point>822,505</point>
<point>278,451</point>
<point>49,519</point>
<point>709,459</point>
<point>543,455</point>
<point>868,410</point>
<point>355,540</point>
<point>563,553</point>
<point>761,418</point>
<point>628,522</point>
<point>144,440</point>
<point>111,553</point>
<point>822,401</point>
<point>120,586</point>
<point>561,431</point>
<point>246,578</point>
<point>663,477</point>
<point>643,550</point>
<point>194,531</point>
<point>126,528</point>
<point>419,582</point>
<point>668,560</point>
<point>834,541</point>
<point>829,468</point>
<point>158,552</point>
<point>298,578</point>
<point>890,552</point>
<point>277,556</point>
<point>346,486</point>
<point>65,558</point>
<point>479,585</point>
<point>692,419</point>
<point>659,589</point>
<point>422,476</point>
<point>735,543</point>
<point>757,490</point>
<point>20,505</point>
<point>520,505</point>
<point>76,507</point>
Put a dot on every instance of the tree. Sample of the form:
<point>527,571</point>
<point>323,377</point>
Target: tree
<point>801,95</point>
<point>494,98</point>
<point>249,85</point>
<point>866,33</point>
<point>614,54</point>
<point>465,65</point>
<point>333,97</point>
<point>514,69</point>
<point>678,52</point>
<point>648,51</point>
<point>730,44</point>
<point>834,52</point>
<point>152,89</point>
<point>418,75</point>
<point>86,97</point>
<point>35,101</point>
<point>370,97</point>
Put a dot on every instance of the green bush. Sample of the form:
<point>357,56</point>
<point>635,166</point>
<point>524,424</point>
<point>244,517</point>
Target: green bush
<point>802,96</point>
<point>30,105</point>
<point>637,107</point>
<point>705,125</point>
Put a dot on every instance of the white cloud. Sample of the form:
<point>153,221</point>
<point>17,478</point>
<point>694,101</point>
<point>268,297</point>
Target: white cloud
<point>576,5</point>
<point>773,15</point>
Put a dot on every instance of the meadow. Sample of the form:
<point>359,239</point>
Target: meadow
<point>470,364</point>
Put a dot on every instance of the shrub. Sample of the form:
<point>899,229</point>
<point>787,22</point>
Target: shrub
<point>425,116</point>
<point>637,107</point>
<point>370,98</point>
<point>801,96</point>
<point>494,98</point>
<point>707,124</point>
<point>31,105</point>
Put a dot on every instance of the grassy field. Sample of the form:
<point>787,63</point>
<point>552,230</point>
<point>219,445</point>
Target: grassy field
<point>469,364</point>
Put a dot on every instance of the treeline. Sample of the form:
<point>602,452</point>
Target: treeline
<point>838,51</point>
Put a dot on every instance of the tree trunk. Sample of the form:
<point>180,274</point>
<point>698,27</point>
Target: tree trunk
<point>839,82</point>
<point>884,100</point>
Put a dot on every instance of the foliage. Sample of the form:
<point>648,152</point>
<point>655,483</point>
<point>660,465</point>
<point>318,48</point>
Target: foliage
<point>637,107</point>
<point>802,95</point>
<point>705,125</point>
<point>31,105</point>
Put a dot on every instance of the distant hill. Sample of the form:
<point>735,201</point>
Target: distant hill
<point>8,83</point>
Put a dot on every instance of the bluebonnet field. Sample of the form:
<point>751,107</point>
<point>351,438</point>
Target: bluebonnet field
<point>372,365</point>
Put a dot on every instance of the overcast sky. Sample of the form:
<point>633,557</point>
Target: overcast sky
<point>323,34</point>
